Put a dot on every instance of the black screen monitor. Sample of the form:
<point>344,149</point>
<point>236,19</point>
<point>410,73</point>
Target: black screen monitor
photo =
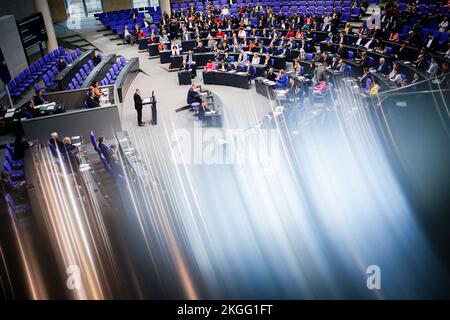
<point>32,30</point>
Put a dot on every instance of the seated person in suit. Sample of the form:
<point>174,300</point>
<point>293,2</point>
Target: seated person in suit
<point>341,52</point>
<point>433,68</point>
<point>371,43</point>
<point>266,60</point>
<point>190,59</point>
<point>193,95</point>
<point>96,58</point>
<point>382,67</point>
<point>342,67</point>
<point>421,62</point>
<point>334,63</point>
<point>223,66</point>
<point>242,56</point>
<point>255,59</point>
<point>271,75</point>
<point>91,100</point>
<point>282,80</point>
<point>365,80</point>
<point>295,90</point>
<point>234,66</point>
<point>312,71</point>
<point>39,98</point>
<point>250,70</point>
<point>210,66</point>
<point>359,41</point>
<point>61,64</point>
<point>15,189</point>
<point>401,52</point>
<point>104,148</point>
<point>33,109</point>
<point>58,144</point>
<point>68,145</point>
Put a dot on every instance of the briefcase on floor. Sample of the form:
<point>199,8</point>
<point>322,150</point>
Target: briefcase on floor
<point>184,77</point>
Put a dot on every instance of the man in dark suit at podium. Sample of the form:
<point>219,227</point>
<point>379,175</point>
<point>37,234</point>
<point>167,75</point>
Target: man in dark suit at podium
<point>193,95</point>
<point>138,107</point>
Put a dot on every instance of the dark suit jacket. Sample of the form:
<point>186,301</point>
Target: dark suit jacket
<point>271,77</point>
<point>137,102</point>
<point>193,96</point>
<point>106,151</point>
<point>384,68</point>
<point>187,58</point>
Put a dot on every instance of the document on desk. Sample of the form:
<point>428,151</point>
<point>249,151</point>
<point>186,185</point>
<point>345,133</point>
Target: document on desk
<point>48,106</point>
<point>146,100</point>
<point>10,113</point>
<point>85,167</point>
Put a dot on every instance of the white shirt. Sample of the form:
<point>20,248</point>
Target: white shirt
<point>242,33</point>
<point>255,60</point>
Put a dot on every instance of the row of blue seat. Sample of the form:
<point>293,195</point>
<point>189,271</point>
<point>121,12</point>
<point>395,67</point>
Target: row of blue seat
<point>31,75</point>
<point>113,72</point>
<point>82,74</point>
<point>105,163</point>
<point>15,168</point>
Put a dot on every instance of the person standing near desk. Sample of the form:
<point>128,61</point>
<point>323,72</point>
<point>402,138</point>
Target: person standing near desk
<point>193,95</point>
<point>138,107</point>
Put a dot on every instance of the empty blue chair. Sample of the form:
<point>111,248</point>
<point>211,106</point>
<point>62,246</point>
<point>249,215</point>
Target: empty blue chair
<point>30,75</point>
<point>51,76</point>
<point>73,55</point>
<point>14,208</point>
<point>115,69</point>
<point>78,51</point>
<point>94,142</point>
<point>75,83</point>
<point>83,74</point>
<point>91,64</point>
<point>43,65</point>
<point>71,86</point>
<point>15,164</point>
<point>24,80</point>
<point>351,54</point>
<point>79,78</point>
<point>61,51</point>
<point>10,148</point>
<point>14,90</point>
<point>14,174</point>
<point>68,59</point>
<point>113,75</point>
<point>37,87</point>
<point>51,56</point>
<point>87,69</point>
